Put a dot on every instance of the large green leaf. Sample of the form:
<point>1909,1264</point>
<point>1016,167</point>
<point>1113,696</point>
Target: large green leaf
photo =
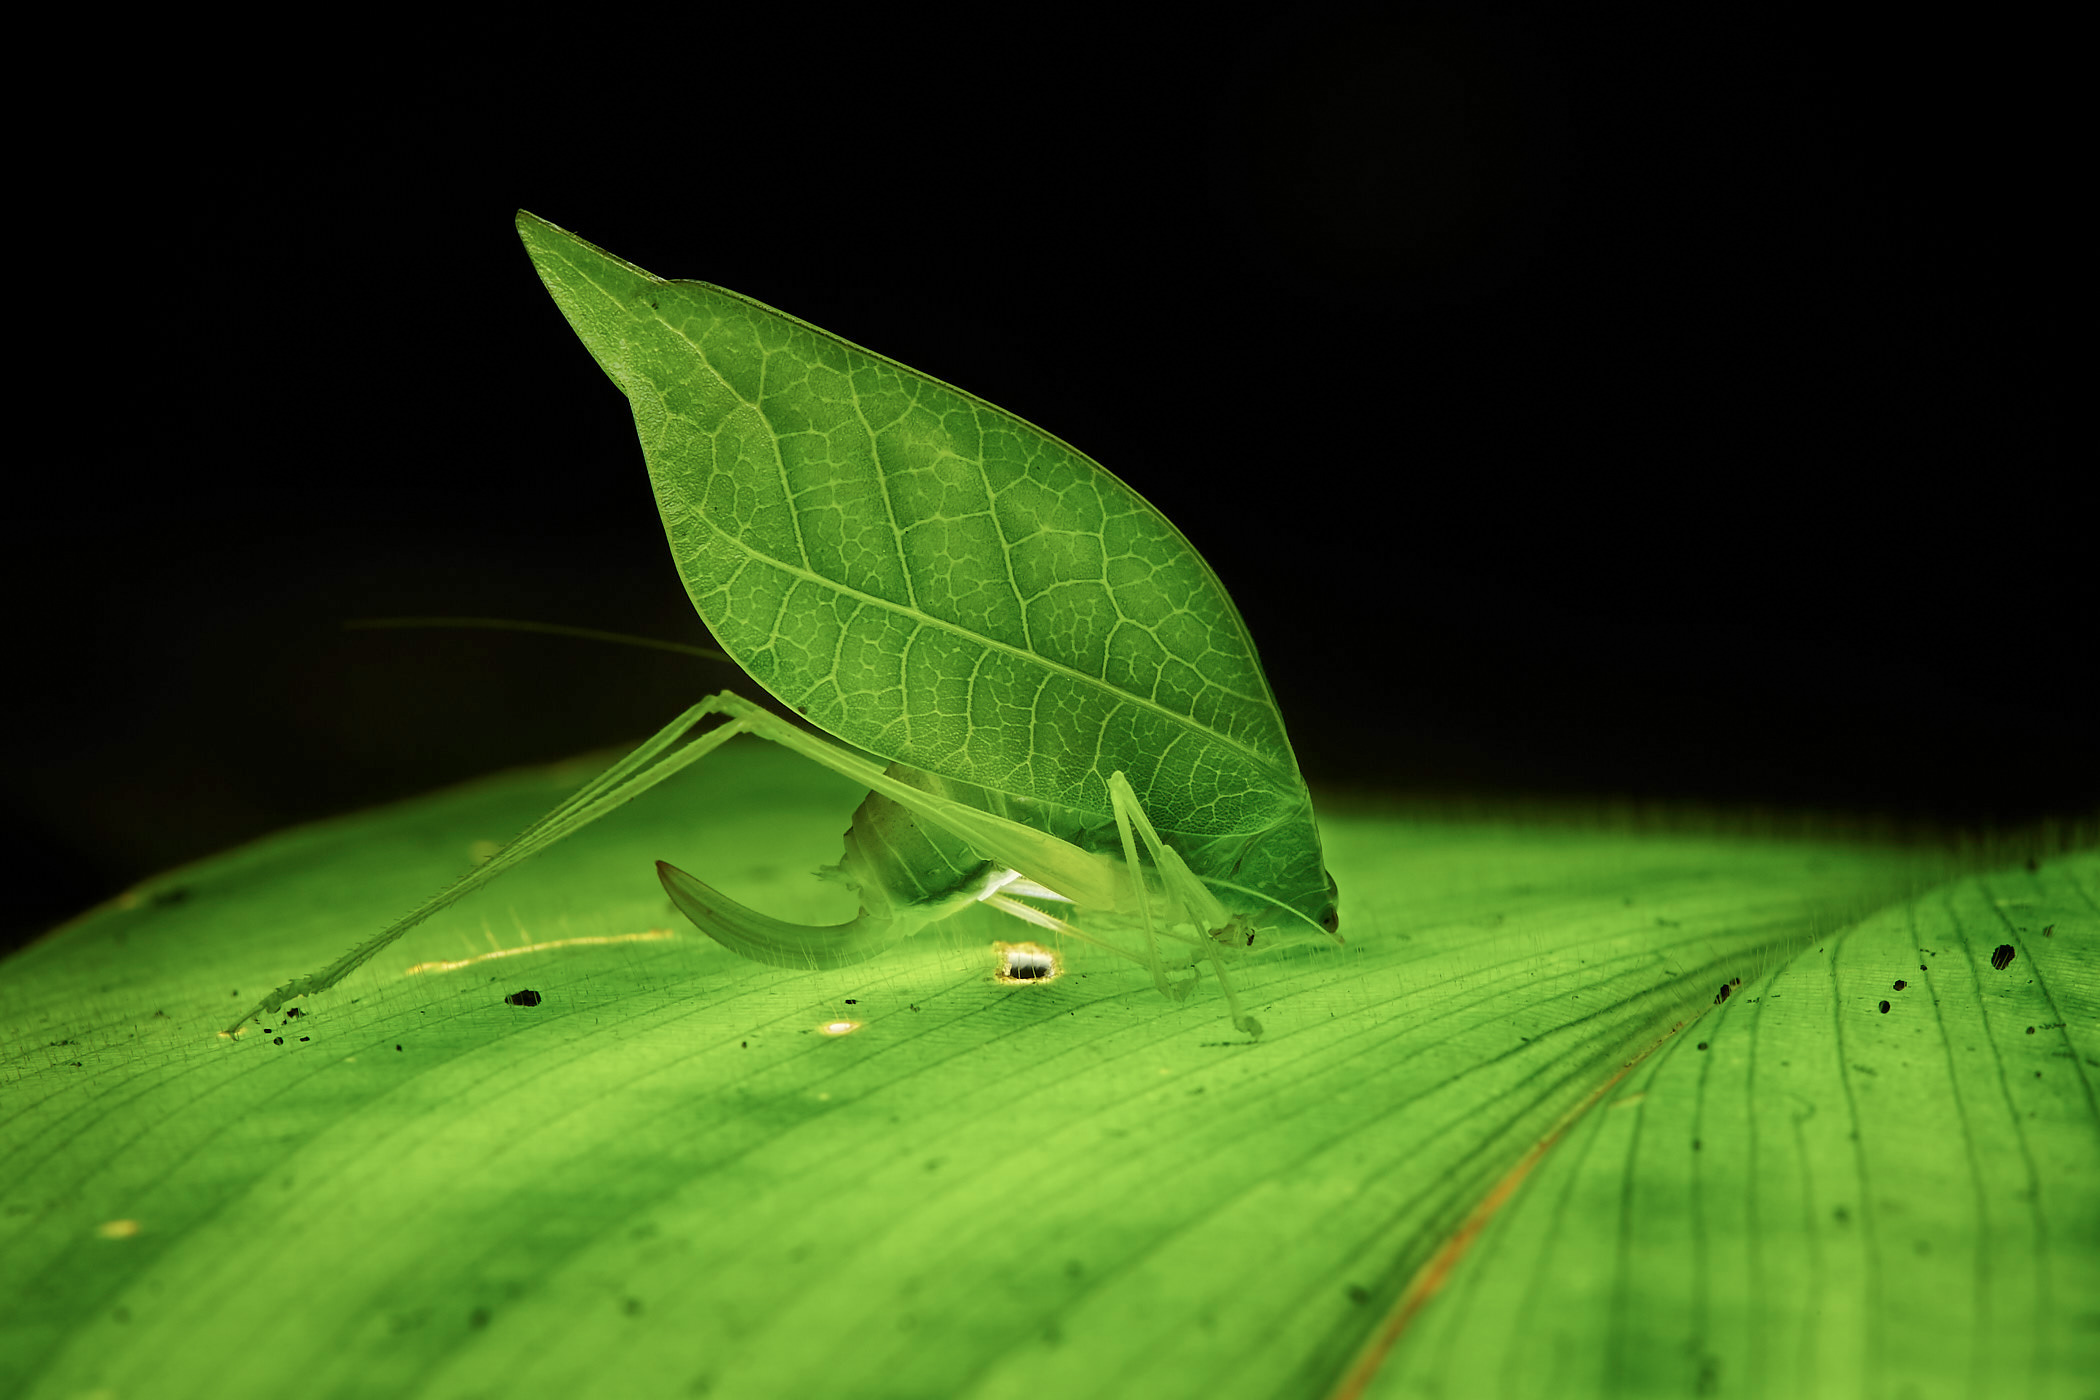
<point>666,1178</point>
<point>922,573</point>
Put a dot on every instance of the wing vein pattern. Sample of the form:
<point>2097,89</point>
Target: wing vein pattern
<point>971,596</point>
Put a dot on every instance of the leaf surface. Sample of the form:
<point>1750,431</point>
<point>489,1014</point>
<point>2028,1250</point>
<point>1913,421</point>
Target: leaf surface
<point>923,574</point>
<point>1815,1196</point>
<point>667,1178</point>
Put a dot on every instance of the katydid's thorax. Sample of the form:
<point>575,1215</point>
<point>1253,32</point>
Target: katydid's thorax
<point>902,865</point>
<point>897,861</point>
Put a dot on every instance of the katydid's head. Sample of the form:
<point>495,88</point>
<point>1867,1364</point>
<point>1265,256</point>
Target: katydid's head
<point>1271,914</point>
<point>1276,885</point>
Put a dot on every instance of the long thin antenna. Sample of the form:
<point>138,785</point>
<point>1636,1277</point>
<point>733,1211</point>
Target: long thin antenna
<point>552,629</point>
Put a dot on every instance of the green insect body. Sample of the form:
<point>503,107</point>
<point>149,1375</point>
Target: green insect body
<point>1075,725</point>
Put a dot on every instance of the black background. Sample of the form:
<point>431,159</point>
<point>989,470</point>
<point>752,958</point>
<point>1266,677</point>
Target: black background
<point>1669,408</point>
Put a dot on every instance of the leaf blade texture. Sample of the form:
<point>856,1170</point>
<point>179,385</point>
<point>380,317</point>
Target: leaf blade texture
<point>668,1176</point>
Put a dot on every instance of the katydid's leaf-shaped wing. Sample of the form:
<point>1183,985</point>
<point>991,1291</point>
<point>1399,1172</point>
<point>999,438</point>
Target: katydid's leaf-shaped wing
<point>925,575</point>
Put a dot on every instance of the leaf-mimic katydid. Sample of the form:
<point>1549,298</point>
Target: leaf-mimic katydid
<point>1070,708</point>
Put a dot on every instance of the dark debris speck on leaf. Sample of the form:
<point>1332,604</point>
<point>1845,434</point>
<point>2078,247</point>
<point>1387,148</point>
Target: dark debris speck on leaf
<point>1900,984</point>
<point>527,997</point>
<point>2002,958</point>
<point>1884,1008</point>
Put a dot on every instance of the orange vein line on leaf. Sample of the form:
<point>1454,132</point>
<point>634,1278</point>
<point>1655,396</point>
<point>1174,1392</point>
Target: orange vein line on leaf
<point>654,935</point>
<point>1437,1269</point>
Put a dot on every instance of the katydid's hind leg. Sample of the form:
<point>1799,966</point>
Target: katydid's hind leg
<point>762,938</point>
<point>657,758</point>
<point>1189,900</point>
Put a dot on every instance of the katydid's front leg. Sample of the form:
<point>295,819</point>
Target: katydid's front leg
<point>1186,899</point>
<point>668,751</point>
